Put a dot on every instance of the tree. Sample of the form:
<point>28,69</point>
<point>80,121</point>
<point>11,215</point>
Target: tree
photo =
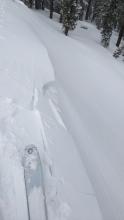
<point>82,5</point>
<point>61,17</point>
<point>51,9</point>
<point>119,51</point>
<point>98,12</point>
<point>38,4</point>
<point>88,10</point>
<point>61,12</point>
<point>108,21</point>
<point>120,21</point>
<point>69,14</point>
<point>43,5</point>
<point>121,34</point>
<point>29,3</point>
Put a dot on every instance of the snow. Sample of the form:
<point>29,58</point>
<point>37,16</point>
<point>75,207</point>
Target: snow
<point>65,95</point>
<point>91,99</point>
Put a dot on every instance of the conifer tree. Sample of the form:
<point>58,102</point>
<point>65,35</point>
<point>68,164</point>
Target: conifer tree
<point>38,4</point>
<point>51,9</point>
<point>61,11</point>
<point>119,51</point>
<point>98,11</point>
<point>61,17</point>
<point>82,9</point>
<point>29,3</point>
<point>120,21</point>
<point>108,21</point>
<point>88,10</point>
<point>69,14</point>
<point>43,5</point>
<point>120,36</point>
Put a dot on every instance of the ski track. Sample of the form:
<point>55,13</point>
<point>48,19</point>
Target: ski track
<point>12,129</point>
<point>17,133</point>
<point>37,120</point>
<point>18,117</point>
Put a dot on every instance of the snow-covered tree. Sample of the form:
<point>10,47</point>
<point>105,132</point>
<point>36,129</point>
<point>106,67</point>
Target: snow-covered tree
<point>98,12</point>
<point>38,4</point>
<point>82,5</point>
<point>29,3</point>
<point>69,15</point>
<point>119,51</point>
<point>51,8</point>
<point>42,4</point>
<point>120,36</point>
<point>88,9</point>
<point>108,21</point>
<point>120,21</point>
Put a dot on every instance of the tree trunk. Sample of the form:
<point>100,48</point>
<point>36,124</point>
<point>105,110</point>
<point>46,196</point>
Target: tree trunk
<point>51,9</point>
<point>120,36</point>
<point>81,14</point>
<point>88,10</point>
<point>42,5</point>
<point>66,30</point>
<point>29,3</point>
<point>37,4</point>
<point>60,18</point>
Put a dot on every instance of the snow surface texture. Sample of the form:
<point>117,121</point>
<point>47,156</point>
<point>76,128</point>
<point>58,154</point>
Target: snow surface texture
<point>29,115</point>
<point>24,65</point>
<point>76,121</point>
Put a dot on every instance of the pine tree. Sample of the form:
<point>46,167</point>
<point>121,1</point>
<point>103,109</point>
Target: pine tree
<point>108,21</point>
<point>43,5</point>
<point>29,3</point>
<point>88,9</point>
<point>120,36</point>
<point>119,51</point>
<point>61,16</point>
<point>120,21</point>
<point>82,9</point>
<point>61,12</point>
<point>38,4</point>
<point>98,11</point>
<point>51,9</point>
<point>69,14</point>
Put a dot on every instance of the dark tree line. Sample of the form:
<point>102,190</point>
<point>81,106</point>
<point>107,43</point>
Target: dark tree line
<point>107,15</point>
<point>68,10</point>
<point>40,4</point>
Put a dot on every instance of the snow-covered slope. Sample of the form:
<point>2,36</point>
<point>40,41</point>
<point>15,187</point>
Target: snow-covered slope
<point>30,114</point>
<point>66,96</point>
<point>92,88</point>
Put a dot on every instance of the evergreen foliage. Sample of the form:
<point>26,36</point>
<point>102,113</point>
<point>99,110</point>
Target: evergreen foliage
<point>108,21</point>
<point>69,15</point>
<point>88,10</point>
<point>38,4</point>
<point>107,15</point>
<point>119,51</point>
<point>51,9</point>
<point>98,12</point>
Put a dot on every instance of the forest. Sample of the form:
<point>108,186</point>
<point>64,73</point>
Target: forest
<point>107,15</point>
